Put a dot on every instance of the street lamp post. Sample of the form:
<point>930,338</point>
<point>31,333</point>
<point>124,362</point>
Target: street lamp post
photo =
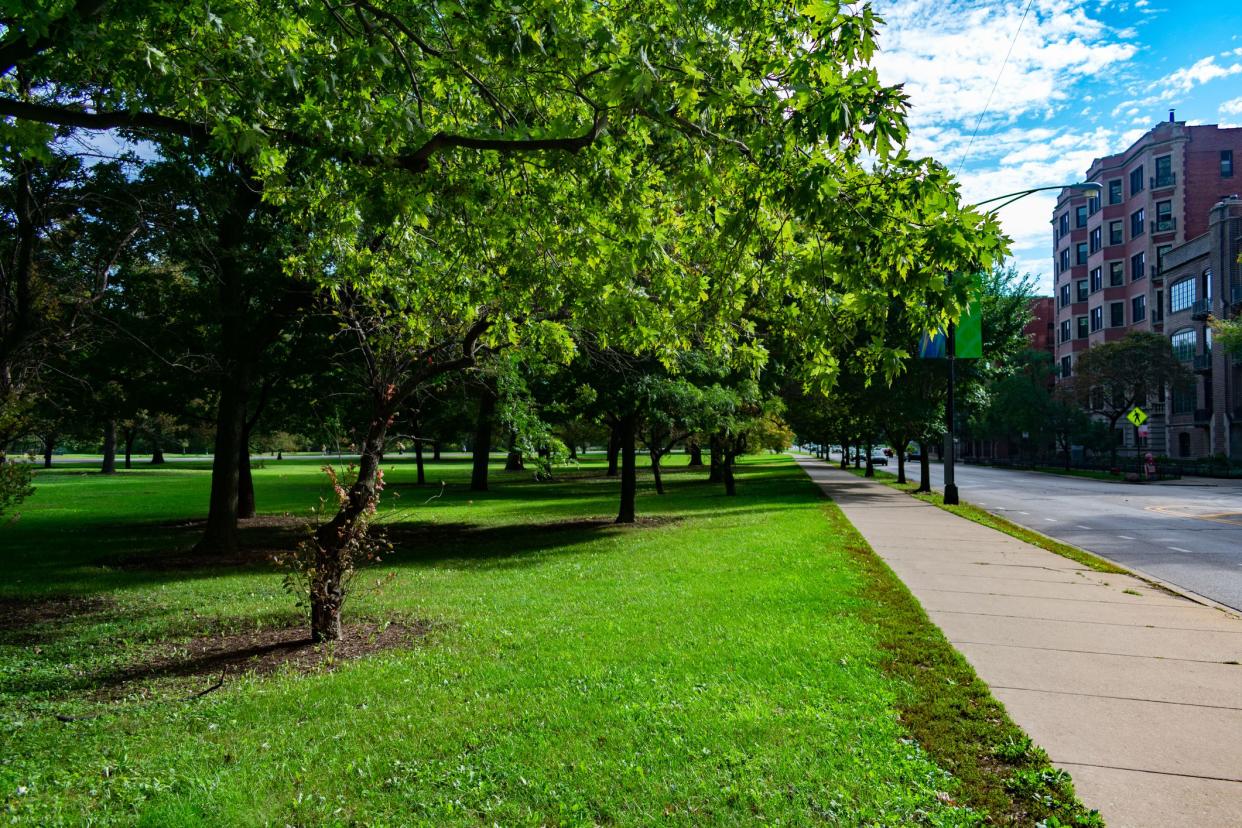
<point>950,444</point>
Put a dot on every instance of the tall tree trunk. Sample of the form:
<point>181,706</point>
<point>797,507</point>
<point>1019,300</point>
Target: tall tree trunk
<point>157,453</point>
<point>332,538</point>
<point>845,456</point>
<point>220,534</point>
<point>238,352</point>
<point>482,441</point>
<point>435,451</point>
<point>924,468</point>
<point>418,461</point>
<point>245,480</point>
<point>696,454</point>
<point>870,466</point>
<point>857,457</point>
<point>901,463</point>
<point>573,450</point>
<point>109,448</point>
<point>614,448</point>
<point>655,471</point>
<point>513,462</point>
<point>726,471</point>
<point>49,445</point>
<point>626,428</point>
<point>128,436</point>
<point>715,473</point>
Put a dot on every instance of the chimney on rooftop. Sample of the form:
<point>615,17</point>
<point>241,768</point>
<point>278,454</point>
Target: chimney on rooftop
<point>1171,118</point>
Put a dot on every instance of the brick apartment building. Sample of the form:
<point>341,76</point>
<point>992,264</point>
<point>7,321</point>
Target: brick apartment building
<point>1108,246</point>
<point>1203,279</point>
<point>1041,330</point>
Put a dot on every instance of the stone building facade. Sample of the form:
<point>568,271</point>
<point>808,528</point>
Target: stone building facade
<point>1203,280</point>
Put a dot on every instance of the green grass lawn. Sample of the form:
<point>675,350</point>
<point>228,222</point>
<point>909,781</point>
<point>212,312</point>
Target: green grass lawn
<point>729,661</point>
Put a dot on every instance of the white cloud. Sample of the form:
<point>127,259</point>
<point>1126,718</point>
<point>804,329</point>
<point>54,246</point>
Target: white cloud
<point>1035,131</point>
<point>1197,74</point>
<point>949,55</point>
<point>1233,107</point>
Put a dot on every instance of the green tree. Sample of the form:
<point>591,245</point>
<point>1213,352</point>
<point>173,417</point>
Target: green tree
<point>1111,379</point>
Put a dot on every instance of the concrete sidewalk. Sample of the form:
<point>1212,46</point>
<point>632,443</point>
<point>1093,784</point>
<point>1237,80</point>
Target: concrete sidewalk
<point>1134,691</point>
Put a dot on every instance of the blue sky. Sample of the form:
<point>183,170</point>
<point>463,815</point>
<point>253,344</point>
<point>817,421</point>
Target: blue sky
<point>1085,78</point>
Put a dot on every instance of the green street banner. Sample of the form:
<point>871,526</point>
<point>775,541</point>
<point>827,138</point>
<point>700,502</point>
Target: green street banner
<point>967,337</point>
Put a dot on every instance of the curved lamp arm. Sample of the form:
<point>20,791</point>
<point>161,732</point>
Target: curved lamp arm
<point>1010,198</point>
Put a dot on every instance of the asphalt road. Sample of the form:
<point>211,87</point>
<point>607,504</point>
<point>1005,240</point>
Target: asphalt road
<point>1188,532</point>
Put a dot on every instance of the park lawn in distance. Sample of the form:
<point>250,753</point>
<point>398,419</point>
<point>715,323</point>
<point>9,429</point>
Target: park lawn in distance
<point>719,663</point>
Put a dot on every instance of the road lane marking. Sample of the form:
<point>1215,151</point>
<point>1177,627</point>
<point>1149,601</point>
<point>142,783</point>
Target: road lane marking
<point>1024,513</point>
<point>1051,520</point>
<point>1088,528</point>
<point>1125,537</point>
<point>1179,549</point>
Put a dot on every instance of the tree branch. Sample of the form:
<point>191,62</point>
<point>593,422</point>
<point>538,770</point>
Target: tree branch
<point>101,120</point>
<point>417,161</point>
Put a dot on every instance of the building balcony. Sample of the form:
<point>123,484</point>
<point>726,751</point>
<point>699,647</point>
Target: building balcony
<point>1156,276</point>
<point>1201,309</point>
<point>1166,180</point>
<point>1168,225</point>
<point>1202,363</point>
<point>1203,416</point>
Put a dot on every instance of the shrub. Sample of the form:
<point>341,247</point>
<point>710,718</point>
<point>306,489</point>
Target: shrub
<point>14,485</point>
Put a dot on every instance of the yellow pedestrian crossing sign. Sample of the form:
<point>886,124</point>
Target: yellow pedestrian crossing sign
<point>1137,416</point>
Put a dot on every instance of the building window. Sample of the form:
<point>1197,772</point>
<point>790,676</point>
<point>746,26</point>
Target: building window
<point>1080,253</point>
<point>1064,222</point>
<point>1138,309</point>
<point>1065,260</point>
<point>1117,315</point>
<point>1080,216</point>
<point>1066,363</point>
<point>1065,297</point>
<point>1097,318</point>
<point>1116,274</point>
<point>1182,294</point>
<point>1082,290</point>
<point>1164,216</point>
<point>1164,171</point>
<point>1066,332</point>
<point>1184,343</point>
<point>1160,251</point>
<point>1184,403</point>
<point>1207,285</point>
<point>1136,223</point>
<point>1093,205</point>
<point>1138,263</point>
<point>1082,327</point>
<point>1157,311</point>
<point>1114,191</point>
<point>1097,280</point>
<point>1096,236</point>
<point>1136,180</point>
<point>1226,163</point>
<point>1183,437</point>
<point>1116,231</point>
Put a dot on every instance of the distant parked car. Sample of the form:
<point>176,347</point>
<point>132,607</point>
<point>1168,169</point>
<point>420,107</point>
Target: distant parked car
<point>913,453</point>
<point>878,458</point>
